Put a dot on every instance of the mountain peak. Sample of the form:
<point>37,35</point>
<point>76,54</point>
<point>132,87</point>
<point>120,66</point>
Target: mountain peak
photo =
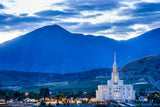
<point>51,29</point>
<point>56,28</point>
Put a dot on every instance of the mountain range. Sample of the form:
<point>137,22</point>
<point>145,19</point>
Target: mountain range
<point>54,49</point>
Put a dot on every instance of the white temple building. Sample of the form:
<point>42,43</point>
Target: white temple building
<point>115,90</point>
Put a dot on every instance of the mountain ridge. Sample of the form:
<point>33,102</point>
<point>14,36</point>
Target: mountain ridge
<point>50,50</point>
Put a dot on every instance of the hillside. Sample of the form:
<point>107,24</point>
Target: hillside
<point>146,69</point>
<point>33,81</point>
<point>55,50</point>
<point>142,73</point>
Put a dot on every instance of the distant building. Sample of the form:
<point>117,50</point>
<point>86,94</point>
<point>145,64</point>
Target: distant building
<point>2,101</point>
<point>143,98</point>
<point>115,90</point>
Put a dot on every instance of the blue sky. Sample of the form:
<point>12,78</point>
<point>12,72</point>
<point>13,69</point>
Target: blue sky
<point>117,19</point>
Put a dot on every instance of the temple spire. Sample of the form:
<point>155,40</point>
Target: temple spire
<point>114,57</point>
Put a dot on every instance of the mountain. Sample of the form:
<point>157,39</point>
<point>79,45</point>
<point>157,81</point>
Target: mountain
<point>54,49</point>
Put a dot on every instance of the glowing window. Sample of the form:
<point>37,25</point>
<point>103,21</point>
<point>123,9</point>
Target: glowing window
<point>115,79</point>
<point>145,99</point>
<point>115,70</point>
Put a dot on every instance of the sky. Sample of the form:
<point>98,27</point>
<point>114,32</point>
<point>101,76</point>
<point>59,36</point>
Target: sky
<point>117,19</point>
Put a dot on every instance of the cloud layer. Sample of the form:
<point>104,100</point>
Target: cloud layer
<point>117,19</point>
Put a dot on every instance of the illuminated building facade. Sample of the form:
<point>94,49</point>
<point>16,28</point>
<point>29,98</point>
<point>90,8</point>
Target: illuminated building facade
<point>115,90</point>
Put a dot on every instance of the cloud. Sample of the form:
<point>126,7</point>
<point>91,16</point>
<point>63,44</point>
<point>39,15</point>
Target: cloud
<point>82,5</point>
<point>4,17</point>
<point>147,7</point>
<point>142,9</point>
<point>12,20</point>
<point>9,22</point>
<point>51,13</point>
<point>30,7</point>
<point>24,14</point>
<point>89,27</point>
<point>118,19</point>
<point>92,16</point>
<point>1,6</point>
<point>67,24</point>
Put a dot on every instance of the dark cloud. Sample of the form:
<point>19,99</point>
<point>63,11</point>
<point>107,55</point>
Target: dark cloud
<point>114,28</point>
<point>144,13</point>
<point>12,21</point>
<point>147,7</point>
<point>81,5</point>
<point>4,17</point>
<point>120,27</point>
<point>2,6</point>
<point>19,20</point>
<point>91,28</point>
<point>67,23</point>
<point>50,13</point>
<point>27,19</point>
<point>20,27</point>
<point>143,10</point>
<point>92,16</point>
<point>149,19</point>
<point>24,14</point>
<point>94,7</point>
<point>121,30</point>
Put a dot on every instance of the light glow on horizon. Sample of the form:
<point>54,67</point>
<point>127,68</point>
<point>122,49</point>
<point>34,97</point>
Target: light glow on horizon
<point>6,36</point>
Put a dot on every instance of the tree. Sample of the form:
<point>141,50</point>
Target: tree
<point>34,95</point>
<point>70,94</point>
<point>79,94</point>
<point>142,91</point>
<point>18,95</point>
<point>9,95</point>
<point>47,92</point>
<point>93,93</point>
<point>44,92</point>
<point>2,94</point>
<point>43,103</point>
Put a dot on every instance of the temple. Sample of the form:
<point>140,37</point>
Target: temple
<point>115,90</point>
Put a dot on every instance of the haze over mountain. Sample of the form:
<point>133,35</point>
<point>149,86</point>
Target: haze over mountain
<point>53,49</point>
<point>142,73</point>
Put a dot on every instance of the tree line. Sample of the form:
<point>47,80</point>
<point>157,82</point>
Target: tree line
<point>43,93</point>
<point>18,96</point>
